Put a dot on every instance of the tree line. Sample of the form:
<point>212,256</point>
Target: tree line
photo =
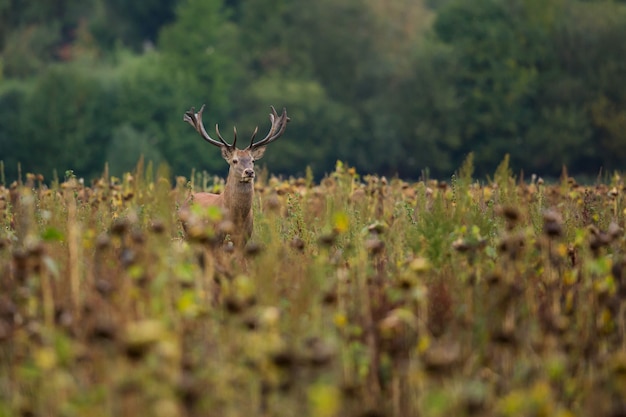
<point>403,87</point>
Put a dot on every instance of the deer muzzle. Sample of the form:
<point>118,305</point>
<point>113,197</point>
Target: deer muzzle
<point>248,175</point>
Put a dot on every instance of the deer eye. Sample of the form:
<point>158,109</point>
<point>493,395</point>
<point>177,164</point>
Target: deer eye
<point>235,161</point>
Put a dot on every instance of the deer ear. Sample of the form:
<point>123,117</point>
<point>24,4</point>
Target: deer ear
<point>227,153</point>
<point>258,153</point>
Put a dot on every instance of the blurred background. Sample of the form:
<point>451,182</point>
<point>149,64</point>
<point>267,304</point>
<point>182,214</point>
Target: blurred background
<point>393,87</point>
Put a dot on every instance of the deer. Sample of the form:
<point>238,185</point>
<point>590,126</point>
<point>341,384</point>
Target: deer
<point>237,198</point>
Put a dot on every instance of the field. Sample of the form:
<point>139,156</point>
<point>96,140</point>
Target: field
<point>357,296</point>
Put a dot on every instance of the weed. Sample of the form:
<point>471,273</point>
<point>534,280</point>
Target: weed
<point>356,296</point>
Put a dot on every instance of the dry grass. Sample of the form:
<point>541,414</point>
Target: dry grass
<point>357,297</point>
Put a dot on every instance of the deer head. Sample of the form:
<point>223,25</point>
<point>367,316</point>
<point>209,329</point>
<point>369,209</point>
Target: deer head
<point>241,161</point>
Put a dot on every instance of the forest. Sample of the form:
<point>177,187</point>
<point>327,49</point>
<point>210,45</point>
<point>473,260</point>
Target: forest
<point>405,88</point>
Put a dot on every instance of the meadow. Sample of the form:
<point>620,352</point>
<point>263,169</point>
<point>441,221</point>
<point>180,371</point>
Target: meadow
<point>357,296</point>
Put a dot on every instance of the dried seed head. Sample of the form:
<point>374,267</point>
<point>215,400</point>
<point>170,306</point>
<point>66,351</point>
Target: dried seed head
<point>157,227</point>
<point>377,228</point>
<point>272,202</point>
<point>141,336</point>
<point>552,216</point>
<point>253,249</point>
<point>617,270</point>
<point>103,241</point>
<point>505,334</point>
<point>571,181</point>
<point>614,231</point>
<point>407,281</point>
<point>20,258</point>
<point>512,244</point>
<point>494,278</point>
<point>63,317</point>
<point>328,239</point>
<point>8,309</point>
<point>5,331</point>
<point>317,352</point>
<point>552,223</point>
<point>188,390</point>
<point>102,331</point>
<point>439,359</point>
<point>560,324</point>
<point>269,317</point>
<point>460,245</point>
<point>242,296</point>
<point>358,195</point>
<point>419,265</point>
<point>463,245</point>
<point>330,297</point>
<point>119,226</point>
<point>35,248</point>
<point>510,213</point>
<point>234,305</point>
<point>374,245</point>
<point>474,398</point>
<point>229,247</point>
<point>297,243</point>
<point>251,322</point>
<point>598,240</point>
<point>127,257</point>
<point>284,358</point>
<point>351,390</point>
<point>138,236</point>
<point>135,352</point>
<point>104,287</point>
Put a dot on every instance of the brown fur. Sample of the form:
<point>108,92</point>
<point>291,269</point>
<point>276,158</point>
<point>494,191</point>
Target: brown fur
<point>238,195</point>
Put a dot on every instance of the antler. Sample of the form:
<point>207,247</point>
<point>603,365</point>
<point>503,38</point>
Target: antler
<point>279,124</point>
<point>195,119</point>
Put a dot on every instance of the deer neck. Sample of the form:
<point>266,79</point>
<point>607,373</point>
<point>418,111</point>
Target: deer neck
<point>238,198</point>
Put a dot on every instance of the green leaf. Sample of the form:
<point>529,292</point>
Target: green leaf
<point>52,234</point>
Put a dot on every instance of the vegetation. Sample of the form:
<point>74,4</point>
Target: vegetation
<point>393,88</point>
<point>358,296</point>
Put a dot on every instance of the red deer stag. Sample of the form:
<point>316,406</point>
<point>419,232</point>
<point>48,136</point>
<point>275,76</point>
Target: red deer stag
<point>237,197</point>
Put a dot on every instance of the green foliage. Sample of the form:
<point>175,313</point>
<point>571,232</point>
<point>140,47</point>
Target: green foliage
<point>425,116</point>
<point>307,142</point>
<point>398,88</point>
<point>526,89</point>
<point>135,24</point>
<point>140,84</point>
<point>497,73</point>
<point>126,148</point>
<point>26,51</point>
<point>71,127</point>
<point>200,42</point>
<point>12,149</point>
